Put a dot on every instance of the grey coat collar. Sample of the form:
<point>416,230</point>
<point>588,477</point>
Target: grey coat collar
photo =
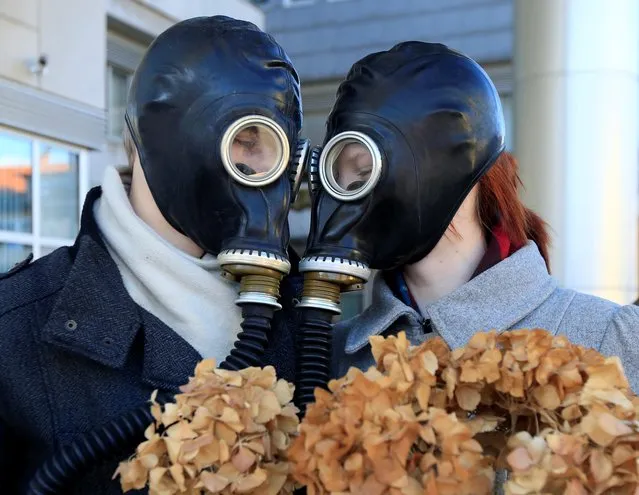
<point>492,300</point>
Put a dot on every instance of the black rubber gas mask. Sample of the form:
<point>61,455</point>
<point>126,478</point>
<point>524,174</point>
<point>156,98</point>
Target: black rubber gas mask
<point>215,113</point>
<point>412,131</point>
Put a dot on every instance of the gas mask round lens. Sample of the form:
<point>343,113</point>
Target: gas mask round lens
<point>350,166</point>
<point>255,150</point>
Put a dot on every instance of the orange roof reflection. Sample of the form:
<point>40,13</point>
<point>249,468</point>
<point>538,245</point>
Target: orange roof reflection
<point>16,177</point>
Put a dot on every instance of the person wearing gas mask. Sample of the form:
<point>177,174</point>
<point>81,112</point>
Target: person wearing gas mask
<point>413,180</point>
<point>89,331</point>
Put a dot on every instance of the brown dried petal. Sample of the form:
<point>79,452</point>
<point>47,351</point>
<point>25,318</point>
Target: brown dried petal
<point>519,459</point>
<point>575,487</point>
<point>214,483</point>
<point>468,398</point>
<point>373,487</point>
<point>243,459</point>
<point>600,466</point>
<point>247,483</point>
<point>133,475</point>
<point>275,481</point>
<point>284,392</point>
<point>547,397</point>
<point>608,375</point>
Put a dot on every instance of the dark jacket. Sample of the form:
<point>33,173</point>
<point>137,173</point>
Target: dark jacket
<point>76,351</point>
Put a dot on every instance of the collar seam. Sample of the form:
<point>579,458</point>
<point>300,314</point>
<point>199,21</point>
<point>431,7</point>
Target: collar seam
<point>572,298</point>
<point>22,304</point>
<point>360,343</point>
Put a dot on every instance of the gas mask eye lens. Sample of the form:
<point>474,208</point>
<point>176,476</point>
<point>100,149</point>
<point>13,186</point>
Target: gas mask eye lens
<point>255,150</point>
<point>350,166</point>
<point>353,165</point>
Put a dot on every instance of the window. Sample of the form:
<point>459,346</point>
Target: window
<point>297,3</point>
<point>352,304</point>
<point>118,83</point>
<point>507,106</point>
<point>42,185</point>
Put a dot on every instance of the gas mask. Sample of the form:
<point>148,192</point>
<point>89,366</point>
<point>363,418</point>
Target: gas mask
<point>215,112</point>
<point>412,131</point>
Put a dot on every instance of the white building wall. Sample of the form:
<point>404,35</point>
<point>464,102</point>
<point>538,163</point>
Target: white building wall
<point>30,28</point>
<point>577,136</point>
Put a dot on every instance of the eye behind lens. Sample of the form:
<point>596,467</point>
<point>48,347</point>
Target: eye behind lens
<point>245,169</point>
<point>255,150</point>
<point>350,166</point>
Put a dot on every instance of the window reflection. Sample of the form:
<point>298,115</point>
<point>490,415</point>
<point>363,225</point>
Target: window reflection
<point>37,212</point>
<point>11,254</point>
<point>351,304</point>
<point>15,184</point>
<point>59,192</point>
<point>118,88</point>
<point>44,250</point>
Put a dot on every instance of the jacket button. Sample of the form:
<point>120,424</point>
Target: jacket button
<point>71,325</point>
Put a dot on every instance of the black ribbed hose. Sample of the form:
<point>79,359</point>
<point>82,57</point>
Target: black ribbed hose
<point>125,433</point>
<point>252,340</point>
<point>313,355</point>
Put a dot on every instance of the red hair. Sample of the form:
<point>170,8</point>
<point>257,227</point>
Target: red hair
<point>499,204</point>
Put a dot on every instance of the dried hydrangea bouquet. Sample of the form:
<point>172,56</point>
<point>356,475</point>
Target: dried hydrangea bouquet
<point>228,432</point>
<point>426,420</point>
<point>559,417</point>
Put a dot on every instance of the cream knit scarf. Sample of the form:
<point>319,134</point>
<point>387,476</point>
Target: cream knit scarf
<point>188,294</point>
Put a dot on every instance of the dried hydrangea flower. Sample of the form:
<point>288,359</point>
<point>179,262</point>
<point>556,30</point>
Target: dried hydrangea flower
<point>427,419</point>
<point>377,431</point>
<point>227,432</point>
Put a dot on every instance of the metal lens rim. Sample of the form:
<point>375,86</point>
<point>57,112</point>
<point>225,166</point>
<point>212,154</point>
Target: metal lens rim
<point>327,159</point>
<point>227,141</point>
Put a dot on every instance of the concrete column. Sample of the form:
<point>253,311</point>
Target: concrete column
<point>577,136</point>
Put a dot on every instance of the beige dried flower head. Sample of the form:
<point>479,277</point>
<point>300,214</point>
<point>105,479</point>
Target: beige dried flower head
<point>571,417</point>
<point>560,417</point>
<point>376,431</point>
<point>227,432</point>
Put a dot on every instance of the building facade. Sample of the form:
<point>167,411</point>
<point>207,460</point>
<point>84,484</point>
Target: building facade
<point>568,101</point>
<point>65,67</point>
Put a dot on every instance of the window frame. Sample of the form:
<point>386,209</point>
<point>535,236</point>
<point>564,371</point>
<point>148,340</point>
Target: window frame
<point>34,239</point>
<point>508,107</point>
<point>109,81</point>
<point>291,4</point>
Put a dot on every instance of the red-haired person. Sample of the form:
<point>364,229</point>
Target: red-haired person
<point>415,182</point>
